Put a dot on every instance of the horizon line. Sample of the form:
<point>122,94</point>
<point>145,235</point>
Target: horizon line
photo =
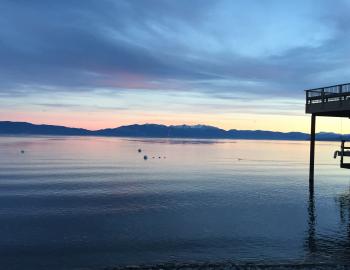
<point>204,125</point>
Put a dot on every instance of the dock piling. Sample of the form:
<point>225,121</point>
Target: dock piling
<point>312,150</point>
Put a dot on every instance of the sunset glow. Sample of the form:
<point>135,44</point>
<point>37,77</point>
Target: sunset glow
<point>111,63</point>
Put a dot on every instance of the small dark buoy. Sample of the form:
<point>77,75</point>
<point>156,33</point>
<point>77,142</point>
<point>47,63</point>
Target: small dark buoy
<point>145,157</point>
<point>159,157</point>
<point>22,151</point>
<point>139,150</point>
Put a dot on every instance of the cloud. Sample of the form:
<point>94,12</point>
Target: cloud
<point>269,48</point>
<point>79,107</point>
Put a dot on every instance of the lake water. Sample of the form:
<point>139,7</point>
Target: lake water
<point>85,202</point>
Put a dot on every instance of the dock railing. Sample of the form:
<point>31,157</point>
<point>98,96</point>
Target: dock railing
<point>327,94</point>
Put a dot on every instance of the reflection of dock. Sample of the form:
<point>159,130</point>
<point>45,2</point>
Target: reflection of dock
<point>331,101</point>
<point>331,247</point>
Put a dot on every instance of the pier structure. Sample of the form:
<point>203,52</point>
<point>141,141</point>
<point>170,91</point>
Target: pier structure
<point>330,101</point>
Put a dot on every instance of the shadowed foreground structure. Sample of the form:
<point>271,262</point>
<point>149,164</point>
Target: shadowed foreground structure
<point>330,101</point>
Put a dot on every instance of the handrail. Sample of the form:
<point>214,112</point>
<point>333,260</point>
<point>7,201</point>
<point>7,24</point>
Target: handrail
<point>327,94</point>
<point>331,86</point>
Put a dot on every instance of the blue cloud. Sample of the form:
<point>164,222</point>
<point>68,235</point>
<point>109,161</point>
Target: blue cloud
<point>212,47</point>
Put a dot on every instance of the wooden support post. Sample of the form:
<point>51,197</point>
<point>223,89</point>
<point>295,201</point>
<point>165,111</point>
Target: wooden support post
<point>312,150</point>
<point>342,153</point>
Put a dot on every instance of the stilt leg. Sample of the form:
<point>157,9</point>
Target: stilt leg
<point>312,150</point>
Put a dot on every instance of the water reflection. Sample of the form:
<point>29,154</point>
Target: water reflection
<point>181,141</point>
<point>343,201</point>
<point>341,244</point>
<point>311,240</point>
<point>334,245</point>
<point>206,201</point>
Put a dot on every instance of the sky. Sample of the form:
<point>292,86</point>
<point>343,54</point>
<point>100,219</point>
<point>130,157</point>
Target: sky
<point>240,64</point>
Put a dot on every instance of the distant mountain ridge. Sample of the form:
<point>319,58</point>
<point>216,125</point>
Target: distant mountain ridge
<point>161,131</point>
<point>16,128</point>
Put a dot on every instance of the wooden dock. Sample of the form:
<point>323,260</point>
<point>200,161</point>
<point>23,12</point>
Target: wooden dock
<point>333,101</point>
<point>330,101</point>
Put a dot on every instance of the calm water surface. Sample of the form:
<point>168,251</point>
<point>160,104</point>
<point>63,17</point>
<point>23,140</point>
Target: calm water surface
<point>71,202</point>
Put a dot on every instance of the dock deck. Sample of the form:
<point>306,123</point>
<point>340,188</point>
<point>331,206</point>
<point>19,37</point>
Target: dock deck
<point>329,101</point>
<point>333,101</point>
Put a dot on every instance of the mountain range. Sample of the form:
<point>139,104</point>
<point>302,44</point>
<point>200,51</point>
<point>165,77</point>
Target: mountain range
<point>161,131</point>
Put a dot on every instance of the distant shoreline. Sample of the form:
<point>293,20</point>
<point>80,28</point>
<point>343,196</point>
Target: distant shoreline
<point>158,138</point>
<point>8,128</point>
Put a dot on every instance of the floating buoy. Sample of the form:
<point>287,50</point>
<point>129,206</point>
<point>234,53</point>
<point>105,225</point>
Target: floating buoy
<point>22,151</point>
<point>145,157</point>
<point>159,157</point>
<point>139,150</point>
